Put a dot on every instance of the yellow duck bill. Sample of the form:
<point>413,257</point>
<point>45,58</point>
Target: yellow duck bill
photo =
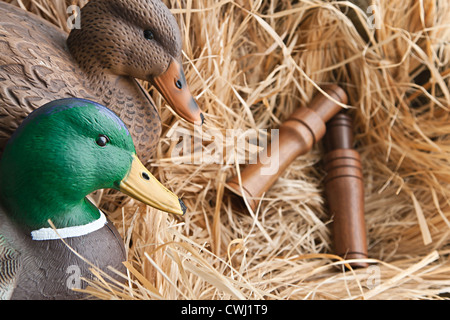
<point>173,87</point>
<point>141,185</point>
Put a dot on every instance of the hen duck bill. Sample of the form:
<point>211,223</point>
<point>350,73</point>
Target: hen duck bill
<point>173,87</point>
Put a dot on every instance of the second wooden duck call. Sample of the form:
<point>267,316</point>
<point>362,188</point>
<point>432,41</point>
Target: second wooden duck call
<point>344,190</point>
<point>297,135</point>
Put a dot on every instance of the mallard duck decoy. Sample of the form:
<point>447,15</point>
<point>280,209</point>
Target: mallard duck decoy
<point>119,41</point>
<point>62,152</point>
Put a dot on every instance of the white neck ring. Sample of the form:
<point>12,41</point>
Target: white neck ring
<point>69,232</point>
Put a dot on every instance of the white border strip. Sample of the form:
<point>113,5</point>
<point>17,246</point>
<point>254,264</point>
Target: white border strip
<point>69,232</point>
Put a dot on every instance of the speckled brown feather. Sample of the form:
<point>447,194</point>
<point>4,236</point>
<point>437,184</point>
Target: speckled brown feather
<point>99,62</point>
<point>45,269</point>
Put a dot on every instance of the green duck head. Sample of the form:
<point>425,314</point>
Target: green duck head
<point>65,150</point>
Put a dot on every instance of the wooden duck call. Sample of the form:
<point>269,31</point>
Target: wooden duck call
<point>297,135</point>
<point>344,190</point>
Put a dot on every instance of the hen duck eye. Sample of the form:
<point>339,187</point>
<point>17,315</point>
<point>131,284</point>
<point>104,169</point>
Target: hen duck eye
<point>102,140</point>
<point>148,35</point>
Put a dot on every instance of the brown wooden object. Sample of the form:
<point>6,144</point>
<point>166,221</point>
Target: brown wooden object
<point>297,135</point>
<point>344,190</point>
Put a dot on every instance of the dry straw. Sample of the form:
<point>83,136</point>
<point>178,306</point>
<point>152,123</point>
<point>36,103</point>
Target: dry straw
<point>250,64</point>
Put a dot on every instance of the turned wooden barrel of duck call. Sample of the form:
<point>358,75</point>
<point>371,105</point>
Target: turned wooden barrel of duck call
<point>344,190</point>
<point>297,135</point>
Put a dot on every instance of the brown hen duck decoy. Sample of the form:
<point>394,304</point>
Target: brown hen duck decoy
<point>119,41</point>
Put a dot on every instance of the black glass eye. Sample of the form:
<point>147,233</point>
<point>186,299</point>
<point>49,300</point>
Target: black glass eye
<point>179,84</point>
<point>102,140</point>
<point>148,35</point>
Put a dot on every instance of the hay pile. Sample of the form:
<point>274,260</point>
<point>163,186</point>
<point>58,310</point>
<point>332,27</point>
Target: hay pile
<point>249,64</point>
